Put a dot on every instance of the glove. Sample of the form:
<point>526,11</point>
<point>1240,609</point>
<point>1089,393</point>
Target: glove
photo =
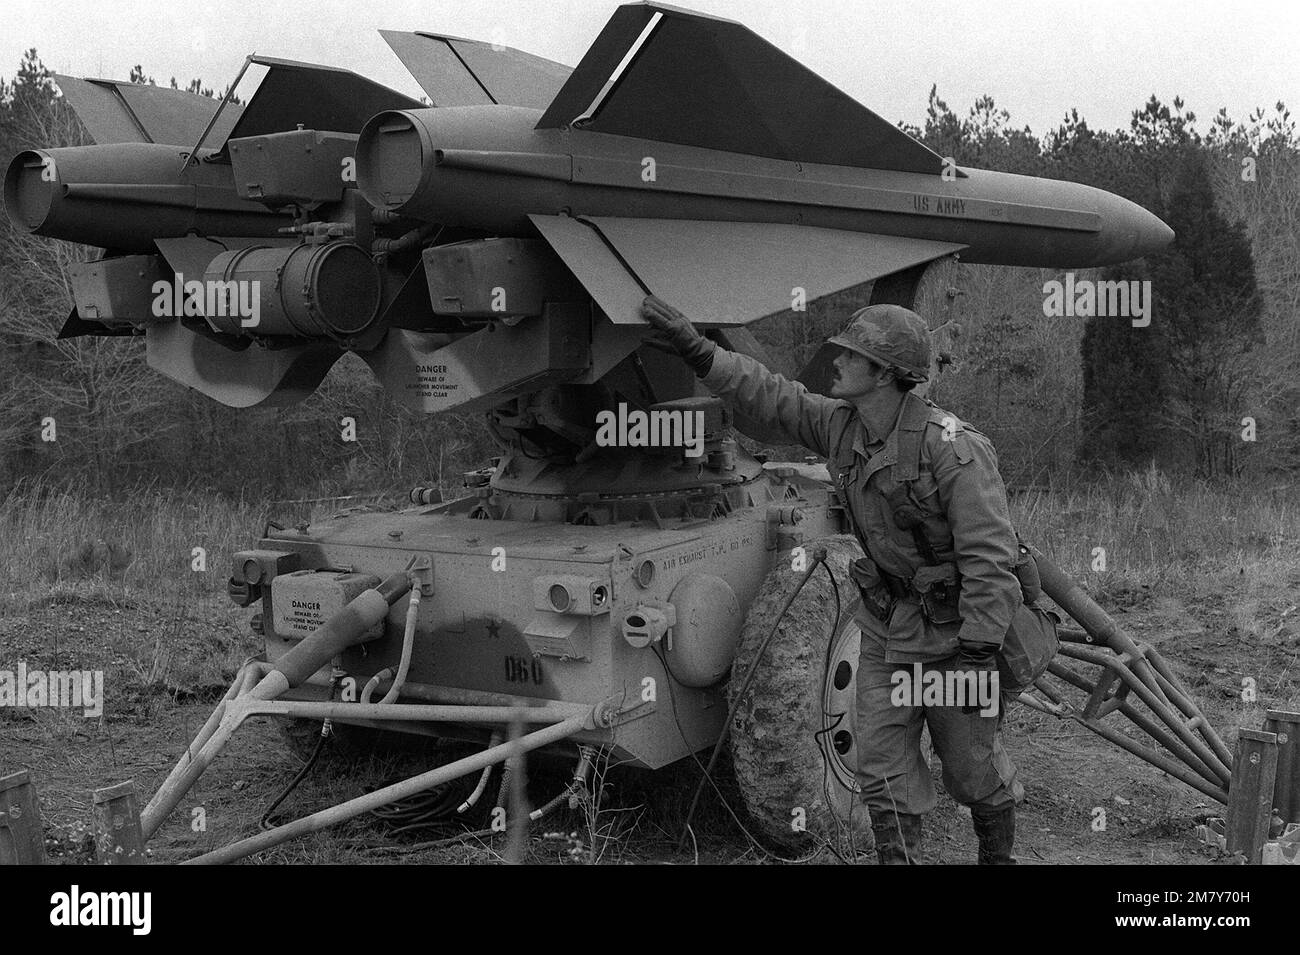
<point>976,657</point>
<point>678,334</point>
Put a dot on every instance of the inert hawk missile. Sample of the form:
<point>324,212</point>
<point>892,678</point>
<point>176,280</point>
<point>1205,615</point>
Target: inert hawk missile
<point>527,213</point>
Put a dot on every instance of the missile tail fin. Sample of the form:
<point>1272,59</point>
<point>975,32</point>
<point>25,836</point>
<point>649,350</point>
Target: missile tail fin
<point>657,72</point>
<point>459,72</point>
<point>115,111</point>
<point>313,96</point>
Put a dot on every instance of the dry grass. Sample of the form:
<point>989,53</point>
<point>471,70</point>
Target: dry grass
<point>1160,534</point>
<point>139,544</point>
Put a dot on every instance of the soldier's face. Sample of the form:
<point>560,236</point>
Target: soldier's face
<point>855,375</point>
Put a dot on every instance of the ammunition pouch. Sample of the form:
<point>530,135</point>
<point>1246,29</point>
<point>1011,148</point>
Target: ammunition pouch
<point>1027,649</point>
<point>1031,641</point>
<point>877,596</point>
<point>938,586</point>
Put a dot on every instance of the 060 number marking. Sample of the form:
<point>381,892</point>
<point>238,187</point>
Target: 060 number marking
<point>522,669</point>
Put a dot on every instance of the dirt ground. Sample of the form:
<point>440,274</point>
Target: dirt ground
<point>165,667</point>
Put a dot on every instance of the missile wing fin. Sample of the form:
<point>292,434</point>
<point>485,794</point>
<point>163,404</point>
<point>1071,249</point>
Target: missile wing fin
<point>660,73</point>
<point>722,273</point>
<point>318,97</point>
<point>459,72</point>
<point>115,111</point>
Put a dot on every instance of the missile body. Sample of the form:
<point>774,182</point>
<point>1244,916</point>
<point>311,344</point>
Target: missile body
<point>489,168</point>
<point>123,196</point>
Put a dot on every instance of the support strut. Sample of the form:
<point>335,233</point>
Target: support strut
<point>1128,674</point>
<point>408,787</point>
<point>258,685</point>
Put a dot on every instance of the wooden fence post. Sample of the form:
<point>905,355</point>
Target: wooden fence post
<point>1250,796</point>
<point>1286,790</point>
<point>118,839</point>
<point>22,842</point>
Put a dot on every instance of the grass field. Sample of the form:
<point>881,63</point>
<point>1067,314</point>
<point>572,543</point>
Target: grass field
<point>1209,575</point>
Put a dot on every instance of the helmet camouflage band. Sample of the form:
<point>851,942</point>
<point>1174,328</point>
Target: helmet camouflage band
<point>892,336</point>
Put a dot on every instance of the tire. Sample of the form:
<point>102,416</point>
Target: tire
<point>793,732</point>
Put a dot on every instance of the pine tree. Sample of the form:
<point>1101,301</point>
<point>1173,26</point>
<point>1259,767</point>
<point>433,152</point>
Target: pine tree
<point>1208,305</point>
<point>1124,386</point>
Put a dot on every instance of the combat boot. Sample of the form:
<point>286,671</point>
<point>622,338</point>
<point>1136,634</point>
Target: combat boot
<point>996,831</point>
<point>898,837</point>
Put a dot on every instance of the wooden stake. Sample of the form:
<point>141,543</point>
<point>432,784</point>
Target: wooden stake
<point>1286,792</point>
<point>1250,796</point>
<point>22,842</point>
<point>118,838</point>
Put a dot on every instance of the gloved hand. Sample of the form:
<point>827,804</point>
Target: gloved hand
<point>975,657</point>
<point>676,331</point>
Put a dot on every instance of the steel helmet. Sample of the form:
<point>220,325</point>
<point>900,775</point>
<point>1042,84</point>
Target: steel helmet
<point>892,336</point>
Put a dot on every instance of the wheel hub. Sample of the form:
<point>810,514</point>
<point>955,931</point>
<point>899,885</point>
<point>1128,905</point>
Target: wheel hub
<point>838,735</point>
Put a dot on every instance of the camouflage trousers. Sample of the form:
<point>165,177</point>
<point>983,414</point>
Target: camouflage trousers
<point>892,770</point>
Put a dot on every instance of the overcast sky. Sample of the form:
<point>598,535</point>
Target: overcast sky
<point>1037,58</point>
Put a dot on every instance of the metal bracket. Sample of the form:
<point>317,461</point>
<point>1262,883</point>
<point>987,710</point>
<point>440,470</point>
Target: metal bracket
<point>421,570</point>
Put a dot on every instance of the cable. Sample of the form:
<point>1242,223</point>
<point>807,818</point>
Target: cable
<point>408,644</point>
<point>472,799</point>
<point>433,808</point>
<point>672,703</point>
<point>430,809</point>
<point>819,557</point>
<point>325,733</point>
<point>264,822</point>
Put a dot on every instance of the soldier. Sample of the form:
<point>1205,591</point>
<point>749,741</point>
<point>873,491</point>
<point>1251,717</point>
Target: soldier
<point>939,582</point>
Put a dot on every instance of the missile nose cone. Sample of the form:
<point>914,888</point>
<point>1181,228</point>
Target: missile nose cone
<point>1130,231</point>
<point>1152,234</point>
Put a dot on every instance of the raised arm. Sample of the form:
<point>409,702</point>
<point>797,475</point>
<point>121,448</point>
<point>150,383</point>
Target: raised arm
<point>804,417</point>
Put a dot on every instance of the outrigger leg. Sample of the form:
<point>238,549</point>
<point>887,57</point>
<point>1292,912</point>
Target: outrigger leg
<point>258,684</point>
<point>1128,674</point>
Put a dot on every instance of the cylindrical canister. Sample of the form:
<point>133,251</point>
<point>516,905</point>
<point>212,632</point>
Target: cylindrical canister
<point>308,291</point>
